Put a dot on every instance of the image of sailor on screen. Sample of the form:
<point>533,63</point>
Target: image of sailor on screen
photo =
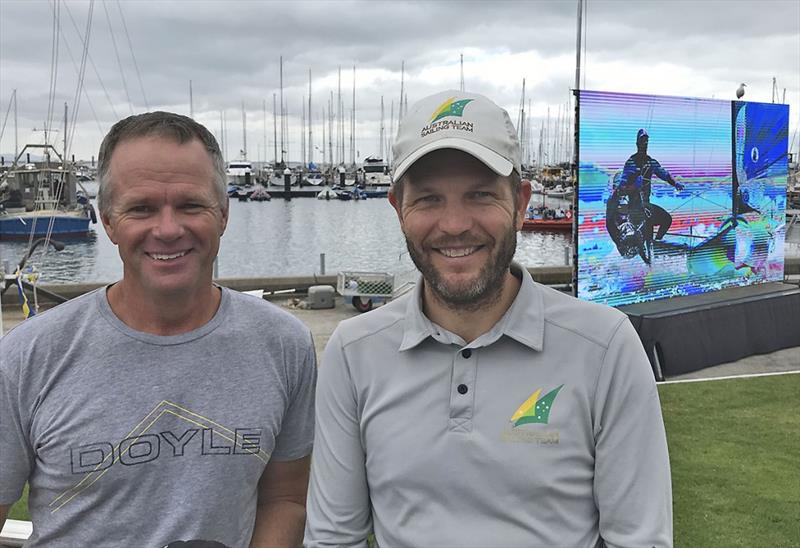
<point>633,186</point>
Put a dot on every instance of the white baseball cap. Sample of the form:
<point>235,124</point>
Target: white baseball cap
<point>464,121</point>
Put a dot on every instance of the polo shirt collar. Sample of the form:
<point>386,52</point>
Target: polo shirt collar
<point>523,321</point>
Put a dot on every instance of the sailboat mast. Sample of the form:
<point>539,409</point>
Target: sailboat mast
<point>310,125</point>
<point>191,101</point>
<point>324,155</point>
<point>578,47</point>
<point>282,130</point>
<point>244,134</point>
<point>339,125</point>
<point>303,133</point>
<point>64,159</point>
<point>382,134</point>
<point>330,130</point>
<point>402,91</point>
<point>264,128</point>
<point>16,138</point>
<point>353,123</point>
<point>274,130</point>
<point>462,72</point>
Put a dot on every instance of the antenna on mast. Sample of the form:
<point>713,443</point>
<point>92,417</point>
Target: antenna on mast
<point>462,72</point>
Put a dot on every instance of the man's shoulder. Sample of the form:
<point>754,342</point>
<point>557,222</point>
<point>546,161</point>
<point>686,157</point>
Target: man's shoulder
<point>375,322</point>
<point>258,314</point>
<point>595,322</point>
<point>62,316</point>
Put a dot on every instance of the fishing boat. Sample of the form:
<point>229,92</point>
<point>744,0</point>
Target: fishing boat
<point>41,199</point>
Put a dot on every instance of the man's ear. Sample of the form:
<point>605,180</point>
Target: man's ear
<point>395,201</point>
<point>523,198</point>
<point>225,212</point>
<point>108,225</point>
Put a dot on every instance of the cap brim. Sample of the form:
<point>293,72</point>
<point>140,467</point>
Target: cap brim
<point>493,161</point>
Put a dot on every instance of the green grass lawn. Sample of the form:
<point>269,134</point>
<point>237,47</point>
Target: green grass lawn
<point>20,509</point>
<point>735,452</point>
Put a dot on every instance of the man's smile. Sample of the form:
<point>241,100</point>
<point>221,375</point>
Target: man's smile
<point>167,256</point>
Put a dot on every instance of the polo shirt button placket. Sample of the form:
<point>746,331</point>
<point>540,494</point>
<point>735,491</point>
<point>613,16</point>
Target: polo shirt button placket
<point>462,400</point>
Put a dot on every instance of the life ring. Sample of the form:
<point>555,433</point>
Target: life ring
<point>569,214</point>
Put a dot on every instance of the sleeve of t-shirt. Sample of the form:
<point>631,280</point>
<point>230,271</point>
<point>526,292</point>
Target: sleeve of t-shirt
<point>338,509</point>
<point>16,455</point>
<point>296,437</point>
<point>633,488</point>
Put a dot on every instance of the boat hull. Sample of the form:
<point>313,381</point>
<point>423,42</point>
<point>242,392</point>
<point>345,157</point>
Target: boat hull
<point>18,227</point>
<point>529,225</point>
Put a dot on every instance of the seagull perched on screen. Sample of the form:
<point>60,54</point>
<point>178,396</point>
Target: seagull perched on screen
<point>740,91</point>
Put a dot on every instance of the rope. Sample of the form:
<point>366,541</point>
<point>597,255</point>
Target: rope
<point>8,111</point>
<point>53,71</point>
<point>133,55</point>
<point>96,72</point>
<point>119,62</point>
<point>85,93</point>
<point>79,87</point>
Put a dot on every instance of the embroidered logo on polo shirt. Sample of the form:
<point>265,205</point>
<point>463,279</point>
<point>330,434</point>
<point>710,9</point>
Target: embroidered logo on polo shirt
<point>534,410</point>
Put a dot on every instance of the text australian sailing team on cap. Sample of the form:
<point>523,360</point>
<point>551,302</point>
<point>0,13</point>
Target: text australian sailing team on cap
<point>464,121</point>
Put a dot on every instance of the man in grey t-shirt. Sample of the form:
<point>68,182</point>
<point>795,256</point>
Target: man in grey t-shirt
<point>482,409</point>
<point>161,408</point>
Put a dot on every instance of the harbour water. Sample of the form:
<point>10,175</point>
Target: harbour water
<point>282,238</point>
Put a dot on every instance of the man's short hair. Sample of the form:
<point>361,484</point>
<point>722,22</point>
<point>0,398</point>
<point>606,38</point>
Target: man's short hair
<point>169,125</point>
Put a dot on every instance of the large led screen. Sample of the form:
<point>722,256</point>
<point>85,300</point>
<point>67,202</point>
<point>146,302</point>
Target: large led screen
<point>678,196</point>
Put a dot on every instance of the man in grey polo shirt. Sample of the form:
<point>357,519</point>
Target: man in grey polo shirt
<point>482,409</point>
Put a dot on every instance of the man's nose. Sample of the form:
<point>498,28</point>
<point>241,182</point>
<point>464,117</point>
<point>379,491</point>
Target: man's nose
<point>168,225</point>
<point>455,219</point>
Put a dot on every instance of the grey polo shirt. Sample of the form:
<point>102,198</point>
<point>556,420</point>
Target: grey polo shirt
<point>545,431</point>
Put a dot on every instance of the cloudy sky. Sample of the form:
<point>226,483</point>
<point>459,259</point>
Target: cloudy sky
<point>230,51</point>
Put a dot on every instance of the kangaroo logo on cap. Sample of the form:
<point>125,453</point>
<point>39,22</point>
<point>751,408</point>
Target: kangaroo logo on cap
<point>451,107</point>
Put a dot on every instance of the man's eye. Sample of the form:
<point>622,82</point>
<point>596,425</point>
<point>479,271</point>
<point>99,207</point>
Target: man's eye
<point>480,194</point>
<point>192,205</point>
<point>139,209</point>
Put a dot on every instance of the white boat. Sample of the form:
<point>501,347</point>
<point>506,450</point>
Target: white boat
<point>536,187</point>
<point>240,173</point>
<point>559,192</point>
<point>327,193</point>
<point>315,178</point>
<point>376,172</point>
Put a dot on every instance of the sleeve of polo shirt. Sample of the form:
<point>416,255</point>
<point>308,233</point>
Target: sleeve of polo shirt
<point>632,482</point>
<point>16,455</point>
<point>338,497</point>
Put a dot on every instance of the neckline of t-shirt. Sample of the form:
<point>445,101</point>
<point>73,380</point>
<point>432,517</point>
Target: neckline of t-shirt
<point>162,340</point>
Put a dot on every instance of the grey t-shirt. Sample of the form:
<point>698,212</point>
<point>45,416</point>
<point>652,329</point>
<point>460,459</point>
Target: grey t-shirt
<point>128,438</point>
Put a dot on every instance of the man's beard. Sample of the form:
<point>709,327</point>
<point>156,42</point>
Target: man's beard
<point>483,290</point>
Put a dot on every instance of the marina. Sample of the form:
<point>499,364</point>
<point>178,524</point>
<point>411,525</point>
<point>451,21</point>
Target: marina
<point>281,238</point>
